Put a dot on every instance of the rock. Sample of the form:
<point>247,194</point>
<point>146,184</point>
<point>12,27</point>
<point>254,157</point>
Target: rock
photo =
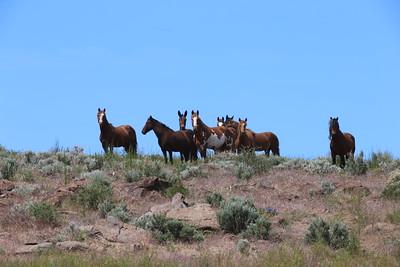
<point>153,184</point>
<point>123,234</point>
<point>72,246</point>
<point>28,249</point>
<point>64,192</point>
<point>114,221</point>
<point>201,216</point>
<point>5,186</point>
<point>178,202</point>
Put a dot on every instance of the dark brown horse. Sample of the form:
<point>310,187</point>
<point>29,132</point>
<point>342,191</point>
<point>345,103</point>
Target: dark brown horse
<point>170,140</point>
<point>111,136</point>
<point>266,141</point>
<point>245,138</point>
<point>216,138</point>
<point>190,133</point>
<point>342,144</point>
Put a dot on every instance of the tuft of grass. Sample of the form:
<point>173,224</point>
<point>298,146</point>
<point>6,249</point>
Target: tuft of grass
<point>328,188</point>
<point>43,212</point>
<point>336,234</point>
<point>392,189</point>
<point>8,169</point>
<point>357,166</point>
<point>394,217</point>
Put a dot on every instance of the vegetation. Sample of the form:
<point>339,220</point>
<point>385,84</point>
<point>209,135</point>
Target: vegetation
<point>392,189</point>
<point>43,212</point>
<point>215,199</point>
<point>97,191</point>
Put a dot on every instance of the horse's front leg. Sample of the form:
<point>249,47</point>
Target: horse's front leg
<point>342,161</point>
<point>170,157</point>
<point>165,155</point>
<point>333,155</point>
<point>105,147</point>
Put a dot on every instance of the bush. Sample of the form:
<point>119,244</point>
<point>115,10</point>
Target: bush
<point>252,164</point>
<point>394,217</point>
<point>215,199</point>
<point>177,187</point>
<point>8,169</point>
<point>105,207</point>
<point>244,171</point>
<point>259,229</point>
<point>236,214</point>
<point>318,231</point>
<point>133,175</point>
<point>321,166</point>
<point>243,246</point>
<point>43,212</point>
<point>392,189</point>
<point>96,191</point>
<point>164,229</point>
<point>121,212</point>
<point>357,166</point>
<point>336,235</point>
<point>382,160</point>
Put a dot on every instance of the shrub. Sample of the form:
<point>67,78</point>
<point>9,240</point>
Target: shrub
<point>394,217</point>
<point>50,166</point>
<point>357,166</point>
<point>382,160</point>
<point>243,246</point>
<point>43,212</point>
<point>328,188</point>
<point>336,234</point>
<point>321,166</point>
<point>164,229</point>
<point>94,163</point>
<point>121,212</point>
<point>190,171</point>
<point>236,214</point>
<point>318,231</point>
<point>392,189</point>
<point>8,169</point>
<point>105,207</point>
<point>214,199</point>
<point>257,164</point>
<point>259,229</point>
<point>177,187</point>
<point>133,175</point>
<point>96,191</point>
<point>244,171</point>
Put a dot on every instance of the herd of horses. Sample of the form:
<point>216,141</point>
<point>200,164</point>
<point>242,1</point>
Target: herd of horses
<point>228,135</point>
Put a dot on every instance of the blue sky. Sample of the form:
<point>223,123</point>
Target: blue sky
<point>285,65</point>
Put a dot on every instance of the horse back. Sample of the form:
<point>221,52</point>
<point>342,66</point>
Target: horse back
<point>266,140</point>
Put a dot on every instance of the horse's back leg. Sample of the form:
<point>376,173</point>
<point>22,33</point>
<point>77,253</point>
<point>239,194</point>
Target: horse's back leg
<point>182,156</point>
<point>267,152</point>
<point>165,155</point>
<point>342,161</point>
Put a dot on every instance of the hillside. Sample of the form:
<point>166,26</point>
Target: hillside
<point>75,209</point>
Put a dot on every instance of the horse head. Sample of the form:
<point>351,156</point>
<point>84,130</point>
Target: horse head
<point>333,126</point>
<point>182,120</point>
<point>149,125</point>
<point>101,116</point>
<point>220,121</point>
<point>195,119</point>
<point>242,126</point>
<point>230,122</point>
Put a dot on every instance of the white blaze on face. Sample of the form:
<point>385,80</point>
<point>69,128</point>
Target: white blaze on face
<point>194,121</point>
<point>101,116</point>
<point>220,124</point>
<point>216,142</point>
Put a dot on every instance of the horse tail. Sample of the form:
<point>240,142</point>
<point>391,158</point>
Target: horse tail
<point>354,142</point>
<point>275,146</point>
<point>133,145</point>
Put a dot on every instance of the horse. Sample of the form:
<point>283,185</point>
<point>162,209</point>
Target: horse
<point>190,133</point>
<point>266,141</point>
<point>342,144</point>
<point>244,138</point>
<point>120,136</point>
<point>220,121</point>
<point>216,138</point>
<point>170,140</point>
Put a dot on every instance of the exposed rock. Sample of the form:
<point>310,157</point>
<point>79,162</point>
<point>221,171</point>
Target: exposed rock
<point>178,202</point>
<point>72,246</point>
<point>27,249</point>
<point>122,234</point>
<point>64,192</point>
<point>5,186</point>
<point>153,184</point>
<point>201,216</point>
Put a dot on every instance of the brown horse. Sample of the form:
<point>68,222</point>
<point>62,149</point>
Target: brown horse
<point>111,136</point>
<point>266,141</point>
<point>342,144</point>
<point>170,140</point>
<point>245,138</point>
<point>216,138</point>
<point>190,133</point>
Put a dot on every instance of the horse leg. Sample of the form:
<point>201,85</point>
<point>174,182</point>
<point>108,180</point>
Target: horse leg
<point>187,155</point>
<point>165,156</point>
<point>105,148</point>
<point>111,149</point>
<point>342,161</point>
<point>333,155</point>
<point>267,152</point>
<point>182,156</point>
<point>170,157</point>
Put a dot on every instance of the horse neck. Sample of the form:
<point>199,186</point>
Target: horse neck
<point>160,129</point>
<point>204,128</point>
<point>106,126</point>
<point>338,135</point>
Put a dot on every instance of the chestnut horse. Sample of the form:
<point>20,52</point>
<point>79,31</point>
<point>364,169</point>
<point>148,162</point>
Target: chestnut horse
<point>342,144</point>
<point>111,136</point>
<point>216,138</point>
<point>245,138</point>
<point>170,140</point>
<point>266,141</point>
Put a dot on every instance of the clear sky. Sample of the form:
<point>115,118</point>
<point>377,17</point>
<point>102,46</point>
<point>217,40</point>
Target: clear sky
<point>285,65</point>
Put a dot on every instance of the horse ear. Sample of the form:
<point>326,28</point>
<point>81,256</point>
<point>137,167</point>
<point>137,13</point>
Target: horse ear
<point>98,110</point>
<point>192,112</point>
<point>330,118</point>
<point>179,113</point>
<point>197,112</point>
<point>185,113</point>
<point>245,120</point>
<point>240,119</point>
<point>222,119</point>
<point>151,117</point>
<point>337,118</point>
<point>218,118</point>
<point>104,110</point>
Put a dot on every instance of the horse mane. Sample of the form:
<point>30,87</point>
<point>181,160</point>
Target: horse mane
<point>163,125</point>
